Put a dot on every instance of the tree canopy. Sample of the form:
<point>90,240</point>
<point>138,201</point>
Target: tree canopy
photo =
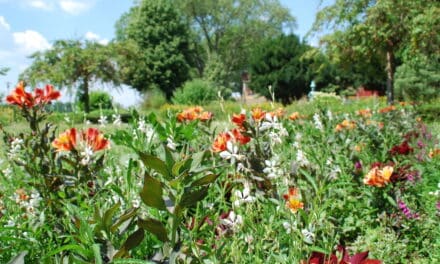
<point>155,41</point>
<point>278,62</point>
<point>3,70</point>
<point>74,64</point>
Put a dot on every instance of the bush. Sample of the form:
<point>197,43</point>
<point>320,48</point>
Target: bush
<point>195,92</point>
<point>153,99</point>
<point>418,79</point>
<point>98,100</point>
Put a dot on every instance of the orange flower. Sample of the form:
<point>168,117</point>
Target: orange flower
<point>434,152</point>
<point>95,139</point>
<point>239,137</point>
<point>292,200</point>
<point>219,144</point>
<point>238,119</point>
<point>378,177</point>
<point>279,113</point>
<point>22,196</point>
<point>258,114</point>
<point>197,109</point>
<point>387,109</point>
<point>205,116</point>
<point>20,97</point>
<point>294,116</point>
<point>366,113</point>
<point>346,124</point>
<point>65,141</point>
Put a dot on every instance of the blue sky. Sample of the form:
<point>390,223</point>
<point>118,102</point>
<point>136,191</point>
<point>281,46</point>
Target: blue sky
<point>27,26</point>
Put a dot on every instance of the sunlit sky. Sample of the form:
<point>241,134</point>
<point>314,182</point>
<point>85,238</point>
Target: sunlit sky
<point>27,26</point>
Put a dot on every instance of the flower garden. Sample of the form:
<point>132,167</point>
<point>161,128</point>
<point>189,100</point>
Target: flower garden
<point>260,185</point>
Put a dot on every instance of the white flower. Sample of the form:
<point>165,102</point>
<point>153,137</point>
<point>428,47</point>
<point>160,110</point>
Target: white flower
<point>117,119</point>
<point>243,196</point>
<point>308,236</point>
<point>233,221</point>
<point>288,227</point>
<point>67,119</point>
<point>317,122</point>
<point>171,144</point>
<point>272,170</point>
<point>231,153</point>
<point>335,172</point>
<point>135,203</point>
<point>10,223</point>
<point>86,155</point>
<point>302,159</point>
<point>102,120</point>
<point>329,115</point>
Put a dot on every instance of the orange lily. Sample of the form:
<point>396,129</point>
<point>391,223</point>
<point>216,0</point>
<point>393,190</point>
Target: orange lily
<point>95,139</point>
<point>379,177</point>
<point>258,114</point>
<point>65,141</point>
<point>239,137</point>
<point>20,97</point>
<point>220,142</point>
<point>292,200</point>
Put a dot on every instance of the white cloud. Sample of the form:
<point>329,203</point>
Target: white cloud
<point>30,41</point>
<point>4,24</point>
<point>95,37</point>
<point>40,4</point>
<point>75,7</point>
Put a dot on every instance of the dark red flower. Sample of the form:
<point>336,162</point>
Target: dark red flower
<point>402,149</point>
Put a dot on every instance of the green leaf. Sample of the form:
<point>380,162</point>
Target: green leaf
<point>177,166</point>
<point>210,178</point>
<point>97,254</point>
<point>125,217</point>
<point>390,200</point>
<point>197,159</point>
<point>155,163</point>
<point>318,249</point>
<point>152,192</point>
<point>18,259</point>
<point>155,227</point>
<point>108,215</point>
<point>310,179</point>
<point>131,261</point>
<point>191,198</point>
<point>132,241</point>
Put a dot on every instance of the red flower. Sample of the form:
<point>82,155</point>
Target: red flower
<point>238,119</point>
<point>220,142</point>
<point>359,258</point>
<point>402,149</point>
<point>20,97</point>
<point>239,137</point>
<point>95,139</point>
<point>47,95</point>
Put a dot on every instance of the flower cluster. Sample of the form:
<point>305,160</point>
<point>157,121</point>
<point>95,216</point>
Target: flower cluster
<point>365,113</point>
<point>39,97</point>
<point>379,177</point>
<point>402,149</point>
<point>194,113</point>
<point>406,211</point>
<point>387,109</point>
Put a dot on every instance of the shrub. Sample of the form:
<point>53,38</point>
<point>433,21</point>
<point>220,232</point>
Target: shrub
<point>153,99</point>
<point>98,100</point>
<point>196,91</point>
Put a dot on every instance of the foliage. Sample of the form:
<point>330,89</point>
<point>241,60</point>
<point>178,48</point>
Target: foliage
<point>247,185</point>
<point>73,64</point>
<point>98,100</point>
<point>153,99</point>
<point>418,79</point>
<point>154,45</point>
<point>377,29</point>
<point>195,92</point>
<point>278,63</point>
<point>226,31</point>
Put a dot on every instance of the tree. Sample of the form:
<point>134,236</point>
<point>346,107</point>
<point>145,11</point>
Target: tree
<point>373,27</point>
<point>279,62</point>
<point>155,42</point>
<point>3,70</point>
<point>227,30</point>
<point>71,64</point>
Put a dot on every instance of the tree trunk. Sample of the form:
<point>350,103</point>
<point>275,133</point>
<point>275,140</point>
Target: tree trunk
<point>390,76</point>
<point>86,95</point>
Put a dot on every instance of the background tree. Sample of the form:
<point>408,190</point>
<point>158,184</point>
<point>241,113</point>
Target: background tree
<point>279,62</point>
<point>373,28</point>
<point>3,70</point>
<point>155,44</point>
<point>226,31</point>
<point>74,64</point>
